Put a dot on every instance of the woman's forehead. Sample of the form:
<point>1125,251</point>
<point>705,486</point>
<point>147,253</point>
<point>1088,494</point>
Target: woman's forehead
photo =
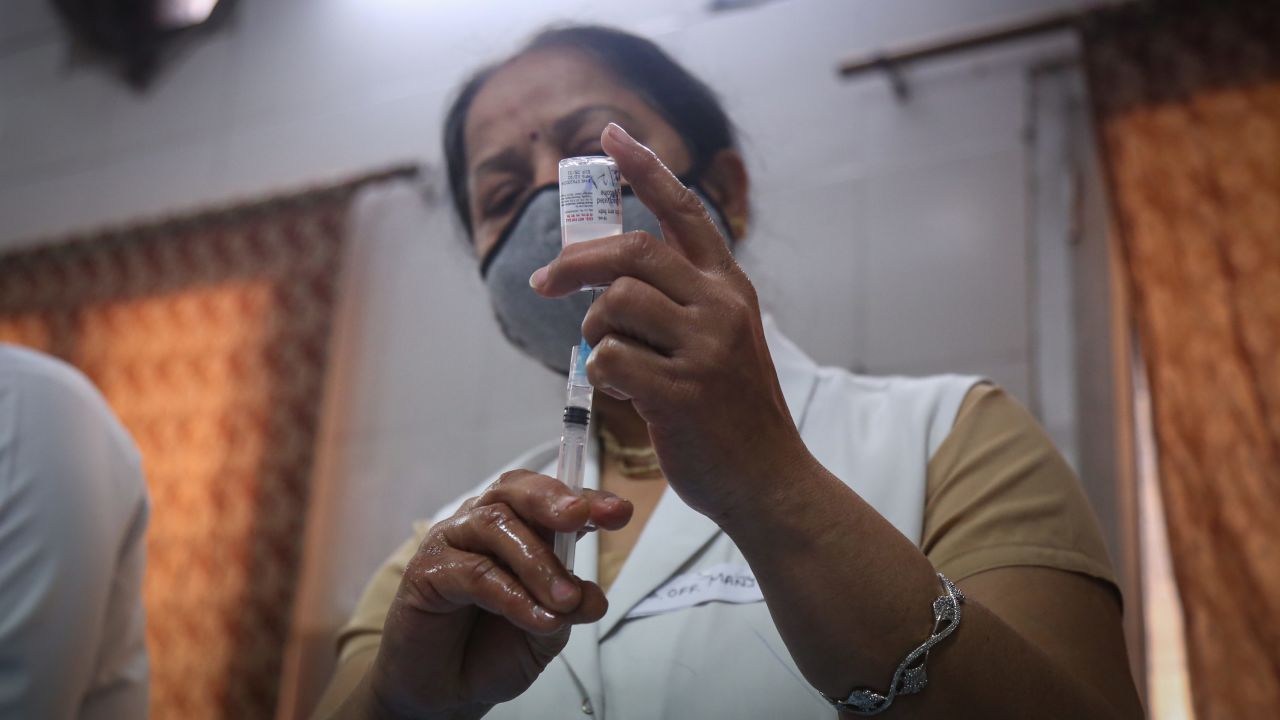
<point>530,93</point>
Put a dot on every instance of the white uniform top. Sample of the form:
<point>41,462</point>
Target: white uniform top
<point>73,514</point>
<point>657,653</point>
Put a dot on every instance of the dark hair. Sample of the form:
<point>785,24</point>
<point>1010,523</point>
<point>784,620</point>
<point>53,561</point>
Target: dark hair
<point>684,101</point>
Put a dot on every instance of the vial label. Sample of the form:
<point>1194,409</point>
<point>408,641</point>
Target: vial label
<point>590,199</point>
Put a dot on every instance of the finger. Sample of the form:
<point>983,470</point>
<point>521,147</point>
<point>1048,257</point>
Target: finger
<point>535,498</point>
<point>627,369</point>
<point>455,579</point>
<point>604,260</point>
<point>684,219</point>
<point>538,499</point>
<point>636,309</point>
<point>593,605</point>
<point>495,530</point>
<point>608,511</point>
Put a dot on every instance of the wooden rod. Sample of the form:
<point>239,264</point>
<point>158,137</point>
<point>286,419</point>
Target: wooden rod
<point>885,60</point>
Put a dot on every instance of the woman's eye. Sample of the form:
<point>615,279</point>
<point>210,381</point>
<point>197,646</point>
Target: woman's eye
<point>499,203</point>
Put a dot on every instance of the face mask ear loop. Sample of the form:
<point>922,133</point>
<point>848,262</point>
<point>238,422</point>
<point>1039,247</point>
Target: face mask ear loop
<point>487,260</point>
<point>693,176</point>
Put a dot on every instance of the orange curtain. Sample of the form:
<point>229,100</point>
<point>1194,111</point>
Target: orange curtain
<point>1187,98</point>
<point>208,336</point>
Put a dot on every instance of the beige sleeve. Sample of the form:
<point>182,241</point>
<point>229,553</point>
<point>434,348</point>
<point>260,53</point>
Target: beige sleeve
<point>999,495</point>
<point>364,629</point>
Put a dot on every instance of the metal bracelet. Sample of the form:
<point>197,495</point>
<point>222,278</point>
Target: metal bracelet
<point>910,676</point>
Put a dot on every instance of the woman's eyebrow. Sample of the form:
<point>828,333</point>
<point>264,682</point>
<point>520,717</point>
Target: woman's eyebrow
<point>509,160</point>
<point>564,127</point>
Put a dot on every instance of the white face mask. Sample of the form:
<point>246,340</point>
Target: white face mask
<point>545,329</point>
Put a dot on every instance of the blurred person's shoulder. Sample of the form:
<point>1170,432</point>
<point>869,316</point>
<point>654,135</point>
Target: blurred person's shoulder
<point>41,372</point>
<point>46,390</point>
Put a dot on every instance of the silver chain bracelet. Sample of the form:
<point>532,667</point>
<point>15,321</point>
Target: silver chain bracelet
<point>910,675</point>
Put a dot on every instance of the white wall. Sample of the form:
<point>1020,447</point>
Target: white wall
<point>889,236</point>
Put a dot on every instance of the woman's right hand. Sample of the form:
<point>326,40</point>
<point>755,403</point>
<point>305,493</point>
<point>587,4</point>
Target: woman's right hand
<point>485,604</point>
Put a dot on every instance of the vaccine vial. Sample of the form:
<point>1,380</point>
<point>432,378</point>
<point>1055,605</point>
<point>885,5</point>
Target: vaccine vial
<point>590,199</point>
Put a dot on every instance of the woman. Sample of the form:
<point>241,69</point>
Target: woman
<point>795,518</point>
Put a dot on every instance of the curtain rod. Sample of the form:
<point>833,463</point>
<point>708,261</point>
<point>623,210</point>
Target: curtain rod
<point>890,60</point>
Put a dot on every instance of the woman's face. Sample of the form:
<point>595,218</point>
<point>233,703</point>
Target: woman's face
<point>533,112</point>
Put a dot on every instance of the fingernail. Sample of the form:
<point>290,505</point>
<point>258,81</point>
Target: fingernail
<point>564,504</point>
<point>561,590</point>
<point>617,133</point>
<point>544,613</point>
<point>538,277</point>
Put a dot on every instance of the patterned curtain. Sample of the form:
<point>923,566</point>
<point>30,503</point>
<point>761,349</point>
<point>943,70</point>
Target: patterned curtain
<point>208,336</point>
<point>1187,97</point>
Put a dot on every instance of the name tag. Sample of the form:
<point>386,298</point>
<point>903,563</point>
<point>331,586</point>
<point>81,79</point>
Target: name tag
<point>718,583</point>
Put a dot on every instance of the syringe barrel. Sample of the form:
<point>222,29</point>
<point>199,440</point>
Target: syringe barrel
<point>573,451</point>
<point>573,446</point>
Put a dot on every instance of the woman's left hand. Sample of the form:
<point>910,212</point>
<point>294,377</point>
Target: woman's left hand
<point>678,332</point>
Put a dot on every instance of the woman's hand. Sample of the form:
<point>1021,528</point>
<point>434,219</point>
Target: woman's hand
<point>484,604</point>
<point>678,332</point>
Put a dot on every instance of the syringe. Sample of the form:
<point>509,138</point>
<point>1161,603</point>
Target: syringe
<point>573,443</point>
<point>590,208</point>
